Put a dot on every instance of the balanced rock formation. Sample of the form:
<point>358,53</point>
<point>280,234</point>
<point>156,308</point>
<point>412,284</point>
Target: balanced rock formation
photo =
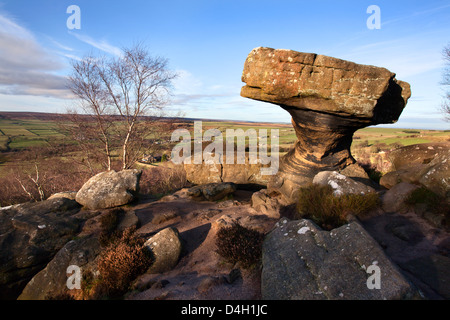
<point>109,189</point>
<point>328,99</point>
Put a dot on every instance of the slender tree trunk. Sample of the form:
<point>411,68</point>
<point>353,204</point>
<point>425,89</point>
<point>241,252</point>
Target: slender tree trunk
<point>125,147</point>
<point>108,156</point>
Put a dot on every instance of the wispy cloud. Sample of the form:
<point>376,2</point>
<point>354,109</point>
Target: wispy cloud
<point>102,45</point>
<point>416,14</point>
<point>26,67</point>
<point>189,90</point>
<point>59,45</point>
<point>405,56</point>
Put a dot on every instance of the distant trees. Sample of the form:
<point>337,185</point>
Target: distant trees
<point>121,99</point>
<point>446,82</point>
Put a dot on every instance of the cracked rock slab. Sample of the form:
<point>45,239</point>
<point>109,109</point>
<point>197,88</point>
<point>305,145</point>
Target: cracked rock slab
<point>303,262</point>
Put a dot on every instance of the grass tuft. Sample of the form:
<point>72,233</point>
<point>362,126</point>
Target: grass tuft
<point>319,204</point>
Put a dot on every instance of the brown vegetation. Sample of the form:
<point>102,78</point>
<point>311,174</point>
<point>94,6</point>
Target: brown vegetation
<point>35,174</point>
<point>319,204</point>
<point>120,263</point>
<point>160,180</point>
<point>240,244</point>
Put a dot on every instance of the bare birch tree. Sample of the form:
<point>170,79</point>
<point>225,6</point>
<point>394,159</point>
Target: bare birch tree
<point>123,95</point>
<point>446,82</point>
<point>86,83</point>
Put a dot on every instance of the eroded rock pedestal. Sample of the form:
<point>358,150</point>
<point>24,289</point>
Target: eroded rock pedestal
<point>328,99</point>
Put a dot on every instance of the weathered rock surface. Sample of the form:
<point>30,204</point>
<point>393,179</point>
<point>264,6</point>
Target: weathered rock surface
<point>210,172</point>
<point>341,184</point>
<point>212,191</point>
<point>301,261</point>
<point>52,281</point>
<point>30,235</point>
<point>426,164</point>
<point>413,155</point>
<point>109,189</point>
<point>328,99</point>
<point>129,220</point>
<point>166,247</point>
<point>393,199</point>
<point>71,195</point>
<point>432,270</point>
<point>268,203</point>
<point>83,252</point>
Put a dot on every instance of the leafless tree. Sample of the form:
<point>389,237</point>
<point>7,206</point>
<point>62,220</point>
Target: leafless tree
<point>86,83</point>
<point>446,82</point>
<point>122,95</point>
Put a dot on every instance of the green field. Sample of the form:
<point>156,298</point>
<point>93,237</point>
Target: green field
<point>19,134</point>
<point>405,137</point>
<point>24,133</point>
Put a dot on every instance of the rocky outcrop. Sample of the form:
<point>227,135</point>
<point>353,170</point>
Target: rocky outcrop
<point>82,251</point>
<point>212,191</point>
<point>394,199</point>
<point>52,281</point>
<point>209,172</point>
<point>328,99</point>
<point>302,261</point>
<point>341,184</point>
<point>269,203</point>
<point>109,189</point>
<point>423,164</point>
<point>71,195</point>
<point>30,235</point>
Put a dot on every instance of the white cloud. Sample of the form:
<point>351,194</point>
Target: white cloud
<point>415,15</point>
<point>190,91</point>
<point>60,45</point>
<point>186,83</point>
<point>25,66</point>
<point>406,56</point>
<point>102,45</point>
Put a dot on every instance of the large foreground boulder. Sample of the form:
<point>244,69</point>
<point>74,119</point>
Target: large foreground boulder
<point>110,189</point>
<point>30,235</point>
<point>302,261</point>
<point>328,99</point>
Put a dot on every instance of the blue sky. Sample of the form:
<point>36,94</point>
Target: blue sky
<point>208,41</point>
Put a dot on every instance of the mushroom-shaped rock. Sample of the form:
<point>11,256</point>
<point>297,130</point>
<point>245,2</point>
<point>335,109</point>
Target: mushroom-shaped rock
<point>328,99</point>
